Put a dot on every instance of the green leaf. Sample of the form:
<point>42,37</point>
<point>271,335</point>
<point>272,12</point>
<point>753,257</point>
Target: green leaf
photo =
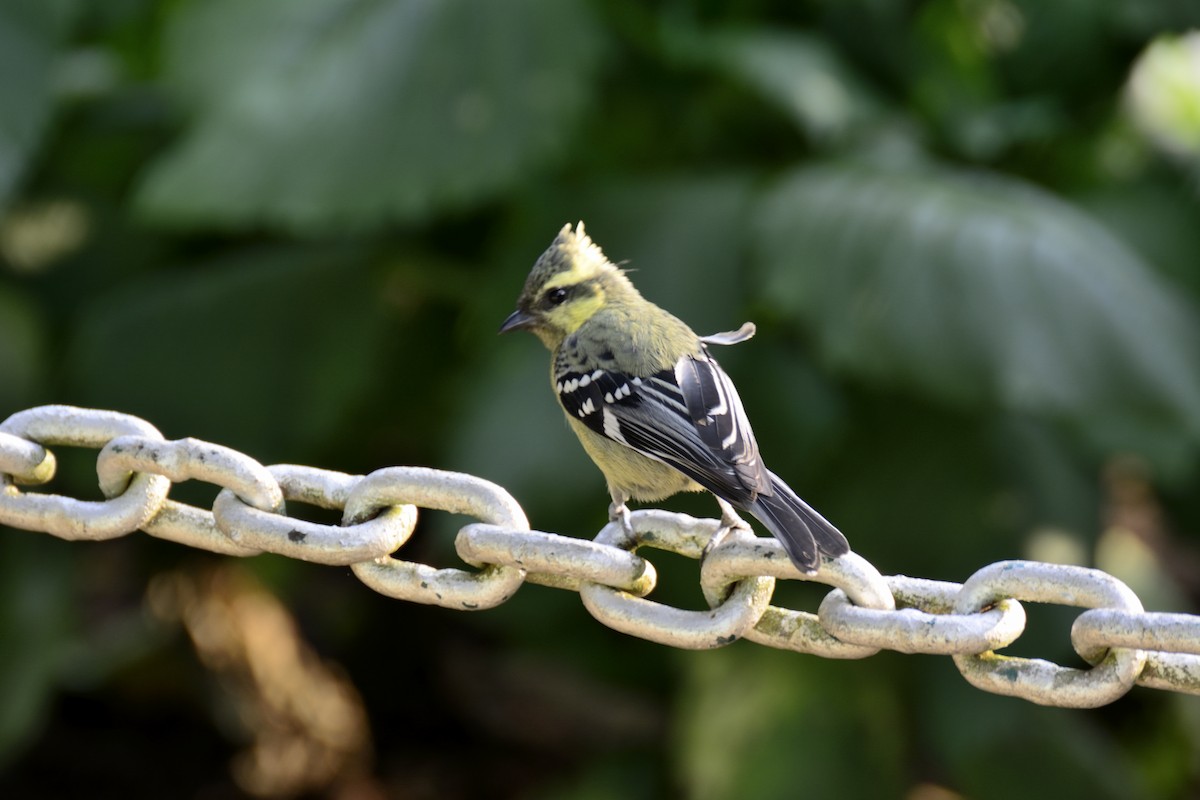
<point>39,629</point>
<point>22,357</point>
<point>269,351</point>
<point>1158,219</point>
<point>1061,752</point>
<point>803,76</point>
<point>759,723</point>
<point>29,37</point>
<point>983,290</point>
<point>319,113</point>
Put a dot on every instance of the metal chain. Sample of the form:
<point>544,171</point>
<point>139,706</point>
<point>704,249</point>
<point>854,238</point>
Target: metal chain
<point>864,613</point>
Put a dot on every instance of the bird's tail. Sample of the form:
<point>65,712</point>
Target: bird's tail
<point>803,532</point>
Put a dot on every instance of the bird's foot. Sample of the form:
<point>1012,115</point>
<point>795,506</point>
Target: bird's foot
<point>619,512</point>
<point>729,521</point>
<point>716,539</point>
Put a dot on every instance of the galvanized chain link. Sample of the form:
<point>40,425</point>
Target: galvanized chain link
<point>864,613</point>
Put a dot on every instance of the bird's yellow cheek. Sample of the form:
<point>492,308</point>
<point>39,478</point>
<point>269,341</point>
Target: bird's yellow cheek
<point>567,318</point>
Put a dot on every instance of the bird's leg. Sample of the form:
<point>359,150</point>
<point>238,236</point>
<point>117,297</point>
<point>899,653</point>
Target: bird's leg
<point>619,512</point>
<point>729,521</point>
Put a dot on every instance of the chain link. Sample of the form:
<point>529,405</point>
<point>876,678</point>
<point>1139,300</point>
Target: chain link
<point>1114,670</point>
<point>731,614</point>
<point>863,613</point>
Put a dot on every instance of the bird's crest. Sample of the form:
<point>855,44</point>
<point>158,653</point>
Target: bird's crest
<point>571,258</point>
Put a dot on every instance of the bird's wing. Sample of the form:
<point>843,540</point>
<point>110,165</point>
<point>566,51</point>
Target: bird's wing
<point>717,412</point>
<point>689,417</point>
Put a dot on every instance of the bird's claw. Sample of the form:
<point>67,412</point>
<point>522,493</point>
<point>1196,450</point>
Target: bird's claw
<point>716,539</point>
<point>729,521</point>
<point>619,512</point>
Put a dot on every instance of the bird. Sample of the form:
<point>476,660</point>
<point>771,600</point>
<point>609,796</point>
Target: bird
<point>648,402</point>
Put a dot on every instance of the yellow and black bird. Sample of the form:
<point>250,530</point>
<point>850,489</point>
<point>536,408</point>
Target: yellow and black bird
<point>651,407</point>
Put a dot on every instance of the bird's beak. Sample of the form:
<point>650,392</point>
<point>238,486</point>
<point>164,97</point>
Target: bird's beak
<point>516,320</point>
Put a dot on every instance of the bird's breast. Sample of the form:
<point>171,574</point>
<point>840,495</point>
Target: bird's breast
<point>641,477</point>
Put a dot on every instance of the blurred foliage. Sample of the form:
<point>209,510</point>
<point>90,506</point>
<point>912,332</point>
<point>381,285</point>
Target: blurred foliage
<point>967,230</point>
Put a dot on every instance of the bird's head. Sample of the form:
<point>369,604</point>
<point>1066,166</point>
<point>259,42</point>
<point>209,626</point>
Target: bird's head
<point>569,283</point>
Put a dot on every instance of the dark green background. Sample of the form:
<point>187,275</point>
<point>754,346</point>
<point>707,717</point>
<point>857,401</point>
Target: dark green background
<point>293,226</point>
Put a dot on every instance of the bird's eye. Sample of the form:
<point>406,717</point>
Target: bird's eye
<point>556,296</point>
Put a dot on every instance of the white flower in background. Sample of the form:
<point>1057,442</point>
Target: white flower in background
<point>1163,95</point>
